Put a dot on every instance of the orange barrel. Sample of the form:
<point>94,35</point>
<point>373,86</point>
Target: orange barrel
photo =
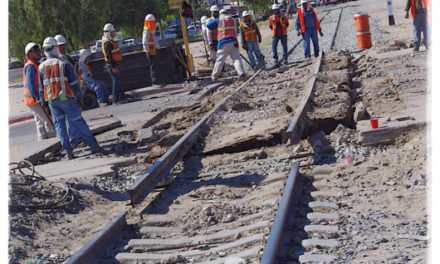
<point>361,21</point>
<point>364,40</point>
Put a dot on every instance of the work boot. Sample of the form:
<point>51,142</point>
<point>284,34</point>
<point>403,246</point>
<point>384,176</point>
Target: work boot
<point>416,48</point>
<point>99,149</point>
<point>285,62</point>
<point>69,156</point>
<point>214,78</point>
<point>242,78</point>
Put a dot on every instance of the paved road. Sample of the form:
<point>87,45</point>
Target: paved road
<point>23,134</point>
<point>15,74</point>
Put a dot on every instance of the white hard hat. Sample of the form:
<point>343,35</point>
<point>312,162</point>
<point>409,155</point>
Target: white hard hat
<point>49,42</point>
<point>109,27</point>
<point>223,11</point>
<point>245,13</point>
<point>304,1</point>
<point>150,17</point>
<point>84,53</point>
<point>214,8</point>
<point>60,39</point>
<point>203,19</point>
<point>275,6</point>
<point>29,46</point>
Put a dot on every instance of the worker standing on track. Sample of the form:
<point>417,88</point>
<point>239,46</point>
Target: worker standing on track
<point>97,86</point>
<point>420,12</point>
<point>58,89</point>
<point>212,34</point>
<point>278,23</point>
<point>112,57</point>
<point>149,46</point>
<point>227,45</point>
<point>307,25</point>
<point>250,37</point>
<point>31,92</point>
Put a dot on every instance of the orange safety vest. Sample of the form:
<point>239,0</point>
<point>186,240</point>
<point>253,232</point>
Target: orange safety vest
<point>302,25</point>
<point>283,21</point>
<point>55,79</point>
<point>151,44</point>
<point>427,6</point>
<point>250,32</point>
<point>28,99</point>
<point>227,28</point>
<point>116,52</point>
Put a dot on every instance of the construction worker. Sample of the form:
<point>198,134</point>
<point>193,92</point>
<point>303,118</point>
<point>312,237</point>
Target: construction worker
<point>62,48</point>
<point>88,82</point>
<point>203,20</point>
<point>227,44</point>
<point>31,92</point>
<point>307,25</point>
<point>250,34</point>
<point>278,23</point>
<point>420,12</point>
<point>148,43</point>
<point>213,34</point>
<point>112,57</point>
<point>58,89</point>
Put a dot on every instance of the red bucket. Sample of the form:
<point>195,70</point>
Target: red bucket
<point>374,123</point>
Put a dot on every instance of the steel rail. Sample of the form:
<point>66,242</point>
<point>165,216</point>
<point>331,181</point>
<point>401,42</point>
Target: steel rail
<point>94,249</point>
<point>273,244</point>
<point>148,181</point>
<point>332,43</point>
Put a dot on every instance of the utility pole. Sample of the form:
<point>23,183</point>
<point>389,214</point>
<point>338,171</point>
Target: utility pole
<point>390,12</point>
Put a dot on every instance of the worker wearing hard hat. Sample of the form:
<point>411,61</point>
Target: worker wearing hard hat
<point>58,89</point>
<point>250,37</point>
<point>278,23</point>
<point>88,82</point>
<point>227,44</point>
<point>205,34</point>
<point>31,92</point>
<point>62,48</point>
<point>212,35</point>
<point>307,24</point>
<point>112,57</point>
<point>149,45</point>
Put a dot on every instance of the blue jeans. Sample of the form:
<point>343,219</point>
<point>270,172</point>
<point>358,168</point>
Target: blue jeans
<point>68,108</point>
<point>311,33</point>
<point>420,25</point>
<point>275,40</point>
<point>99,88</point>
<point>253,49</point>
<point>118,91</point>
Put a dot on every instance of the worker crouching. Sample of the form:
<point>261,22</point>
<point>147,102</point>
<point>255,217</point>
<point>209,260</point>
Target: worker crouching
<point>227,45</point>
<point>88,82</point>
<point>250,37</point>
<point>307,25</point>
<point>59,90</point>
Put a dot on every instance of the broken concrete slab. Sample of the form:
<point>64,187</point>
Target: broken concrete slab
<point>388,131</point>
<point>246,134</point>
<point>82,167</point>
<point>35,150</point>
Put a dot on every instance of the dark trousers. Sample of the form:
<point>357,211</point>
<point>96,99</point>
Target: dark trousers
<point>152,60</point>
<point>117,92</point>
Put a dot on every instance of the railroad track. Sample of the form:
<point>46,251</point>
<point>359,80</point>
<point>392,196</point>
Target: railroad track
<point>229,172</point>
